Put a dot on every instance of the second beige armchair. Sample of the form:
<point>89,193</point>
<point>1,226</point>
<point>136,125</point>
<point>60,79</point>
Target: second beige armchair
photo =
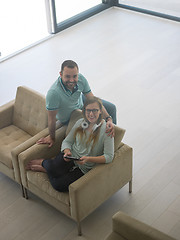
<point>22,123</point>
<point>125,227</point>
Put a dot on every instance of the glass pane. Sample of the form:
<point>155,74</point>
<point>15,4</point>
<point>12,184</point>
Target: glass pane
<point>170,7</point>
<point>69,8</point>
<point>22,23</point>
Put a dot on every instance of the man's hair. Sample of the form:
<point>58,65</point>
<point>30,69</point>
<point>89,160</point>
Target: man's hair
<point>69,64</point>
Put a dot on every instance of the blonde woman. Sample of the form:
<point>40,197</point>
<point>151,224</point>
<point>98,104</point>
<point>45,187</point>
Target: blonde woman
<point>86,145</point>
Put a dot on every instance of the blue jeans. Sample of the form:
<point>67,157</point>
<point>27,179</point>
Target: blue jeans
<point>110,108</point>
<point>61,173</point>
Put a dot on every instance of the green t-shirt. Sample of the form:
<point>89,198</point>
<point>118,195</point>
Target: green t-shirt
<point>61,99</point>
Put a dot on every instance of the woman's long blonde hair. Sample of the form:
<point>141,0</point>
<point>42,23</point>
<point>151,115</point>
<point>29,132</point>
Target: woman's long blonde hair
<point>95,134</point>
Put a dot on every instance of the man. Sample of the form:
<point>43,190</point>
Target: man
<point>66,95</point>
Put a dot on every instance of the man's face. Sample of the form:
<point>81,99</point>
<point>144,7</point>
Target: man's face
<point>69,77</point>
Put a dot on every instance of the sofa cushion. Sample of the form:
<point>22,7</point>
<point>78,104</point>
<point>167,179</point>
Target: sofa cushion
<point>10,137</point>
<point>41,180</point>
<point>29,111</point>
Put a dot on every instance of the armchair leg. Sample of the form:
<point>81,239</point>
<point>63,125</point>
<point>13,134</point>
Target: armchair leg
<point>22,189</point>
<point>24,192</point>
<point>130,186</point>
<point>79,229</point>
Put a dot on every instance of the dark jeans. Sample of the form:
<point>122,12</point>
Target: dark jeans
<point>110,108</point>
<point>61,173</point>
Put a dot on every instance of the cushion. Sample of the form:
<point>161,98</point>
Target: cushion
<point>41,180</point>
<point>10,137</point>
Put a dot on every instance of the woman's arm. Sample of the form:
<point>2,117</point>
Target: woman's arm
<point>98,159</point>
<point>108,152</point>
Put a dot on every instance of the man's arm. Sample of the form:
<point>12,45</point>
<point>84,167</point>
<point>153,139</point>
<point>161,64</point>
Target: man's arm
<point>52,128</point>
<point>109,125</point>
<point>52,123</point>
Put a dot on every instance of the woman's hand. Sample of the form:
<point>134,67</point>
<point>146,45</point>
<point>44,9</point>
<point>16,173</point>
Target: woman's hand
<point>67,152</point>
<point>83,160</point>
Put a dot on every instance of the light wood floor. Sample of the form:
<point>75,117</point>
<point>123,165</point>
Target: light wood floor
<point>132,60</point>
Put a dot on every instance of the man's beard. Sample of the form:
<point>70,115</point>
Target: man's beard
<point>70,85</point>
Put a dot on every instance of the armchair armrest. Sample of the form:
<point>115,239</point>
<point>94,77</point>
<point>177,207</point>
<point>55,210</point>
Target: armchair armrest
<point>131,228</point>
<point>39,151</point>
<point>22,147</point>
<point>6,114</point>
<point>88,192</point>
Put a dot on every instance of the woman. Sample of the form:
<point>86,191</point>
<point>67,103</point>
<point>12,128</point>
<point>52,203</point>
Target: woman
<point>87,141</point>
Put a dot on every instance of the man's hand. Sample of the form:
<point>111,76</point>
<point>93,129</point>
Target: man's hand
<point>110,128</point>
<point>46,140</point>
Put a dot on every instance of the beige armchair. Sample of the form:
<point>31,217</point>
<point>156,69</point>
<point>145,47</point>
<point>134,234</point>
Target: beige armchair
<point>21,124</point>
<point>128,228</point>
<point>88,192</point>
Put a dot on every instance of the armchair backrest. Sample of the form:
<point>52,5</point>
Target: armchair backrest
<point>119,134</point>
<point>75,116</point>
<point>30,112</point>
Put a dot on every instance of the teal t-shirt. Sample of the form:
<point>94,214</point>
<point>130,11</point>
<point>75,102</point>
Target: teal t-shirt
<point>61,99</point>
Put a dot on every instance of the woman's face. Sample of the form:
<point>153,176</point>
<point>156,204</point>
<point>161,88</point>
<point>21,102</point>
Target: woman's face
<point>92,112</point>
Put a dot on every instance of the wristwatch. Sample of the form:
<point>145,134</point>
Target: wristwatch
<point>108,117</point>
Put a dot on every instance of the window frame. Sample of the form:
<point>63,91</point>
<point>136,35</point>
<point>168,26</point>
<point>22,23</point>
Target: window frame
<point>146,11</point>
<point>54,27</point>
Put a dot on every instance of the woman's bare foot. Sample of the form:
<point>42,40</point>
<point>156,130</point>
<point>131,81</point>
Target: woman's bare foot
<point>38,168</point>
<point>36,162</point>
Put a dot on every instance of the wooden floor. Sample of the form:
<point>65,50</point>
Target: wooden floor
<point>132,60</point>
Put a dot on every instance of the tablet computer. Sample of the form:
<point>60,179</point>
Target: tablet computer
<point>72,158</point>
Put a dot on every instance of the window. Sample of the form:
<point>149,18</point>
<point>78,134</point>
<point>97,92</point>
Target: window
<point>169,7</point>
<point>70,8</point>
<point>22,23</point>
